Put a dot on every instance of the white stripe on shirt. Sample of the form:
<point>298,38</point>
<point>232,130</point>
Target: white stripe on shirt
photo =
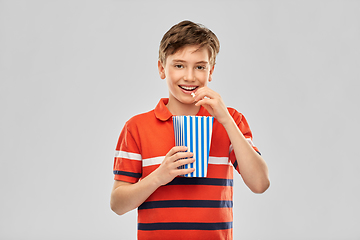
<point>219,160</point>
<point>127,155</point>
<point>152,161</point>
<point>231,148</point>
<point>158,160</point>
<point>250,142</point>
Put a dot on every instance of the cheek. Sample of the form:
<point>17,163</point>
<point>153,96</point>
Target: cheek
<point>175,76</point>
<point>204,78</point>
<point>171,84</point>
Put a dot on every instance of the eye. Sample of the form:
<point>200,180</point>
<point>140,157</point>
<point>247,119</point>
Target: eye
<point>201,67</point>
<point>178,66</point>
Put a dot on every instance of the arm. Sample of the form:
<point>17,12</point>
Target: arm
<point>128,196</point>
<point>253,168</point>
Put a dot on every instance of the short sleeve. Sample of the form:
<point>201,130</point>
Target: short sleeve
<point>127,160</point>
<point>243,125</point>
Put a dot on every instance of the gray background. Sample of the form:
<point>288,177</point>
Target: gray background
<point>72,73</point>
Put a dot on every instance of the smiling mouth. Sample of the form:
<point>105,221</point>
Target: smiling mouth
<point>188,88</point>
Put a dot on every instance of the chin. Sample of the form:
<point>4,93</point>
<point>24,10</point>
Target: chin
<point>188,101</point>
<point>185,101</point>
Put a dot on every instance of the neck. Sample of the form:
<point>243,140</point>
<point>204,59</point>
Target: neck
<point>179,109</point>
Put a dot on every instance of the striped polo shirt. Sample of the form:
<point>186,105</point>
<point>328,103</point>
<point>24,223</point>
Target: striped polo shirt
<point>185,208</point>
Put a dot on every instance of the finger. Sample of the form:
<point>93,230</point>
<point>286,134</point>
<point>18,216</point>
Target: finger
<point>176,149</point>
<point>181,155</point>
<point>182,162</point>
<point>204,92</point>
<point>184,171</point>
<point>204,102</point>
<point>208,108</point>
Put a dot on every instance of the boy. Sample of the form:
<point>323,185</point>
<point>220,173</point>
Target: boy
<point>146,162</point>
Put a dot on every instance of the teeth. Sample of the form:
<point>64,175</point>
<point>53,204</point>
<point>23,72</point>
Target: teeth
<point>188,88</point>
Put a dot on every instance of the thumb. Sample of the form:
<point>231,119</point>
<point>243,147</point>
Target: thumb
<point>209,109</point>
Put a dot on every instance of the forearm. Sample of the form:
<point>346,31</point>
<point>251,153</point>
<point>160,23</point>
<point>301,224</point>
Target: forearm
<point>252,166</point>
<point>126,196</point>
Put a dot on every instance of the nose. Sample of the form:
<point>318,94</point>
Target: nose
<point>189,75</point>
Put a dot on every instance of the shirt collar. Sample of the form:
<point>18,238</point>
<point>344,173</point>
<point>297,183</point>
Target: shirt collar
<point>163,113</point>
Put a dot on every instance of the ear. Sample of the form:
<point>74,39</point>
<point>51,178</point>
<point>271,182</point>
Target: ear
<point>161,70</point>
<point>211,73</point>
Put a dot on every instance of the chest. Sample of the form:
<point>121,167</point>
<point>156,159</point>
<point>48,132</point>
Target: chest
<point>157,139</point>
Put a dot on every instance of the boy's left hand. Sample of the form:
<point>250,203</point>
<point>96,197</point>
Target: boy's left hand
<point>213,103</point>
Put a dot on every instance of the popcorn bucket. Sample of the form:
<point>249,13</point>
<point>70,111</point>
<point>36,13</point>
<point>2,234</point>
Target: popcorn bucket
<point>195,133</point>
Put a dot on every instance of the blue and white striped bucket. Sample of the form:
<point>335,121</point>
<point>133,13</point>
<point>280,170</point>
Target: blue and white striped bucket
<point>195,133</point>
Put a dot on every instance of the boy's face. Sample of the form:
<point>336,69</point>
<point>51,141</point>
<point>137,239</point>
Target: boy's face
<point>185,71</point>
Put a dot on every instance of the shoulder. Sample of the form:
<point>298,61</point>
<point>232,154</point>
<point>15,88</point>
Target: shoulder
<point>140,119</point>
<point>240,120</point>
<point>237,116</point>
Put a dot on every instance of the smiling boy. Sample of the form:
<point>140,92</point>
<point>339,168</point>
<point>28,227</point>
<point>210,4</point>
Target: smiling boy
<point>146,161</point>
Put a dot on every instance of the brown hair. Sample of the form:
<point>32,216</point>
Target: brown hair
<point>187,33</point>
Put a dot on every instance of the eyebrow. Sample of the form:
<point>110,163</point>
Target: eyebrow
<point>182,61</point>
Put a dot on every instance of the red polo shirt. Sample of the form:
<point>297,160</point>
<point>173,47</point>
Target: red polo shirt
<point>185,208</point>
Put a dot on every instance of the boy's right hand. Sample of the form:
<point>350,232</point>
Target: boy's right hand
<point>175,158</point>
<point>127,196</point>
